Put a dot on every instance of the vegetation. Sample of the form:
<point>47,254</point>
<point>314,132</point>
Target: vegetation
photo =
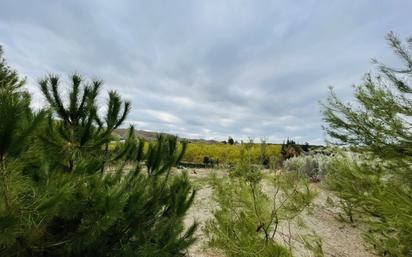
<point>377,186</point>
<point>229,154</point>
<point>315,166</point>
<point>247,220</point>
<point>289,150</point>
<point>66,194</point>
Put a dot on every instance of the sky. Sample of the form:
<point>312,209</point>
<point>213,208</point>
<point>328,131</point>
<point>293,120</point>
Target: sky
<point>208,69</point>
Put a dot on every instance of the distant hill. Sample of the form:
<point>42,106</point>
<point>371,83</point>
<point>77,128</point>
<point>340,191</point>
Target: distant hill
<point>147,135</point>
<point>151,135</point>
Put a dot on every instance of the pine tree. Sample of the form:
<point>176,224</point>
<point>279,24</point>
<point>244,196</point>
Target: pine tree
<point>65,192</point>
<point>18,125</point>
<point>77,128</point>
<point>378,126</point>
<point>230,141</point>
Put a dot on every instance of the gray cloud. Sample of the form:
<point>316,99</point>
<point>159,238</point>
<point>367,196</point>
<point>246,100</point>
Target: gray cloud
<point>207,68</point>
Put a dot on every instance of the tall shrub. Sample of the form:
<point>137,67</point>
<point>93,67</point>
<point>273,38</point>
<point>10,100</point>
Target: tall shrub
<point>378,126</point>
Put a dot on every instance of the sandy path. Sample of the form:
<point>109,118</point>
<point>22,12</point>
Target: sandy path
<point>338,239</point>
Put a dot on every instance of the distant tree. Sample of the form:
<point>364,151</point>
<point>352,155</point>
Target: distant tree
<point>378,126</point>
<point>231,141</point>
<point>264,157</point>
<point>305,147</point>
<point>289,149</point>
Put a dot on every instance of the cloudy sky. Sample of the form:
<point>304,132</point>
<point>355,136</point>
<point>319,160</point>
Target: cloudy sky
<point>210,68</point>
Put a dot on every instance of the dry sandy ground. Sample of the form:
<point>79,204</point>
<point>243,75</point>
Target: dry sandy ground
<point>338,239</point>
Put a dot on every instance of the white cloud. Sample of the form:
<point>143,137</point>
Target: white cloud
<point>162,116</point>
<point>207,68</point>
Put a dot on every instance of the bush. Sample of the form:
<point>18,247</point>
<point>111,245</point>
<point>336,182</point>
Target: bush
<point>373,196</point>
<point>314,166</point>
<point>247,219</point>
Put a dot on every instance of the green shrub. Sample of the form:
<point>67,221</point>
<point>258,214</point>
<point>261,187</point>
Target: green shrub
<point>247,220</point>
<point>376,186</point>
<point>373,196</point>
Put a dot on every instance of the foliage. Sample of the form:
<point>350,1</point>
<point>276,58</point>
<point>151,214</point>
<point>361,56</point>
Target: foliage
<point>120,213</point>
<point>366,185</point>
<point>75,130</point>
<point>248,218</point>
<point>314,243</point>
<point>228,154</point>
<point>314,166</point>
<point>378,187</point>
<point>265,159</point>
<point>381,122</point>
<point>289,150</point>
<point>16,130</point>
<point>67,194</point>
